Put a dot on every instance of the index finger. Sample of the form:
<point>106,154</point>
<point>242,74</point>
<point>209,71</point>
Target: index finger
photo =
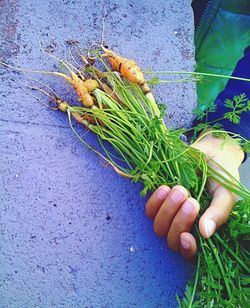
<point>155,201</point>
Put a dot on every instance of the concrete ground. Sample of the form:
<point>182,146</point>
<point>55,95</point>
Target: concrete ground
<point>74,234</point>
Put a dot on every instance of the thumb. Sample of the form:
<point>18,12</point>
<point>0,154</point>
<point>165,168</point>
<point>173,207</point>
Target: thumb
<point>218,212</point>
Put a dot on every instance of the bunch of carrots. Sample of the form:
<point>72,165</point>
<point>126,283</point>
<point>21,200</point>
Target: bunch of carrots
<point>117,104</point>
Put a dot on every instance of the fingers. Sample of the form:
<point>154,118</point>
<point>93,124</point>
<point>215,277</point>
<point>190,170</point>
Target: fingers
<point>188,247</point>
<point>182,222</point>
<point>156,200</point>
<point>218,212</point>
<point>174,214</point>
<point>168,210</point>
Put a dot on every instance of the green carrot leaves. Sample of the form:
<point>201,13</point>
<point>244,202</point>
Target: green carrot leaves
<point>238,105</point>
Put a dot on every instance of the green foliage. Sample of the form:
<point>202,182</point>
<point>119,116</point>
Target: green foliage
<point>163,109</point>
<point>223,273</point>
<point>204,126</point>
<point>237,105</point>
<point>201,114</point>
<point>187,299</point>
<point>246,146</point>
<point>239,221</point>
<point>154,81</point>
<point>188,175</point>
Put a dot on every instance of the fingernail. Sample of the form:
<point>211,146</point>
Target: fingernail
<point>210,227</point>
<point>188,207</point>
<point>185,243</point>
<point>162,192</point>
<point>179,194</point>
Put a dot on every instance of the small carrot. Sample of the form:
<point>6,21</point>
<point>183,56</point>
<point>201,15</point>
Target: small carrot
<point>81,90</point>
<point>82,87</point>
<point>128,68</point>
<point>91,84</point>
<point>62,105</point>
<point>82,119</point>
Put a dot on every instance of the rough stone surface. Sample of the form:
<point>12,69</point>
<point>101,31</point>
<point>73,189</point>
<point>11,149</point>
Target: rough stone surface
<point>74,234</point>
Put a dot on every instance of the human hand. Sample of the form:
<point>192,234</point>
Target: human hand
<point>174,212</point>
